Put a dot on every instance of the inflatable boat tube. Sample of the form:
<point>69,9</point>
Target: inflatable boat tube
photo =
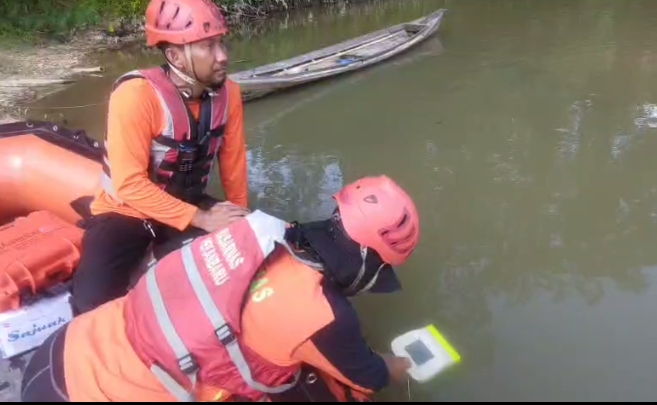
<point>46,167</point>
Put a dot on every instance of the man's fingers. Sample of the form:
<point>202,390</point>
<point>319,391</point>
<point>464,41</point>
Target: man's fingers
<point>228,206</point>
<point>235,211</point>
<point>228,215</point>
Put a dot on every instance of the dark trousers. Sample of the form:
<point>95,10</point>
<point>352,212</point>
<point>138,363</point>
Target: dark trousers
<point>43,380</point>
<point>312,388</point>
<point>113,246</point>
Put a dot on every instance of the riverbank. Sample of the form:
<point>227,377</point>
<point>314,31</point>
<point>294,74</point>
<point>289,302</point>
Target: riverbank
<point>32,67</point>
<point>34,20</point>
<point>28,73</point>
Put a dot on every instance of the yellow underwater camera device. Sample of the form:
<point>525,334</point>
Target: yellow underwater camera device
<point>429,352</point>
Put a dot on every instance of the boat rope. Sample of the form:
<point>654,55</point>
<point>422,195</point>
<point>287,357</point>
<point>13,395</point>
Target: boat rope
<point>67,107</point>
<point>408,388</point>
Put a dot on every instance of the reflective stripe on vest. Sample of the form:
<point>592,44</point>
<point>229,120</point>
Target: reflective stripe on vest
<point>177,127</point>
<point>268,232</point>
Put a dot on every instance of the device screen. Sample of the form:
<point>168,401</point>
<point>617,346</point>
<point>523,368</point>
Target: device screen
<point>419,352</point>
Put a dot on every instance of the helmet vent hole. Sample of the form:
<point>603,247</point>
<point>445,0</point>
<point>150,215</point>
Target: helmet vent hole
<point>371,199</point>
<point>403,220</point>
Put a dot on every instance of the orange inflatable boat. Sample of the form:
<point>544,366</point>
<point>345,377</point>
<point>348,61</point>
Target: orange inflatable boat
<point>48,175</point>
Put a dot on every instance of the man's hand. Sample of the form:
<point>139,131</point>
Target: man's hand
<point>219,216</point>
<point>397,367</point>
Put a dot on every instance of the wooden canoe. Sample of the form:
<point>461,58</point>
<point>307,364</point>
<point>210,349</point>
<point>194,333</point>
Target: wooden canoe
<point>347,56</point>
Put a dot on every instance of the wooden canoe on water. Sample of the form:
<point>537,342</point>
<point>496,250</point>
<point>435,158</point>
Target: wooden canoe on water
<point>334,60</point>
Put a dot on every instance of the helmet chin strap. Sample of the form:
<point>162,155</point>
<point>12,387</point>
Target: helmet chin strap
<point>192,81</point>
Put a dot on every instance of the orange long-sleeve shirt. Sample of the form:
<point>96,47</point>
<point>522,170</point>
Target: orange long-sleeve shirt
<point>134,119</point>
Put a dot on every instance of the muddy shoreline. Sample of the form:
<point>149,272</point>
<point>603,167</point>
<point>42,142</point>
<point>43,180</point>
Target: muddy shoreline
<point>28,73</point>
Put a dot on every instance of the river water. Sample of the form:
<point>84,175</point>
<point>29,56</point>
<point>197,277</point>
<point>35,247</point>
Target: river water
<point>523,130</point>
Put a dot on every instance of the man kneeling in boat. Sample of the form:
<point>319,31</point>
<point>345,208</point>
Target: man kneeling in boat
<point>256,311</point>
<point>166,125</point>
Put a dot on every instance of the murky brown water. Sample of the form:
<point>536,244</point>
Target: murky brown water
<point>525,132</point>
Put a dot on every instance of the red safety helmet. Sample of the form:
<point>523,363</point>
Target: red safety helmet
<point>182,22</point>
<point>376,212</point>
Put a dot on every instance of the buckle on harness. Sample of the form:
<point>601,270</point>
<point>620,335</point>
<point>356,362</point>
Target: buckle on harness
<point>225,334</point>
<point>187,365</point>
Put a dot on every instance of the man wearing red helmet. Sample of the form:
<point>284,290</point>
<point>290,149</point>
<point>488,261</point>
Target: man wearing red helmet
<point>256,311</point>
<point>166,126</point>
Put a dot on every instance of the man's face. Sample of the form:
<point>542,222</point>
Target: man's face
<point>209,61</point>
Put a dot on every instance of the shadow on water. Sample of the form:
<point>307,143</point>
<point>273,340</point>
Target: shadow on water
<point>525,134</point>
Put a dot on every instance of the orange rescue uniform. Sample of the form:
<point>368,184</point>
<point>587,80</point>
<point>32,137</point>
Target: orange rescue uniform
<point>285,301</point>
<point>135,118</point>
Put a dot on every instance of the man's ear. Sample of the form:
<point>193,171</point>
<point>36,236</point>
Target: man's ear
<point>175,57</point>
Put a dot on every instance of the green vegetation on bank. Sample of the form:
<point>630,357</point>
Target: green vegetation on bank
<point>55,19</point>
<point>28,18</point>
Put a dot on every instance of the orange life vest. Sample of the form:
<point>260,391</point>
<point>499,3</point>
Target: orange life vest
<point>183,318</point>
<point>182,156</point>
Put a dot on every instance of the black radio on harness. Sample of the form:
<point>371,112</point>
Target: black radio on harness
<point>187,157</point>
